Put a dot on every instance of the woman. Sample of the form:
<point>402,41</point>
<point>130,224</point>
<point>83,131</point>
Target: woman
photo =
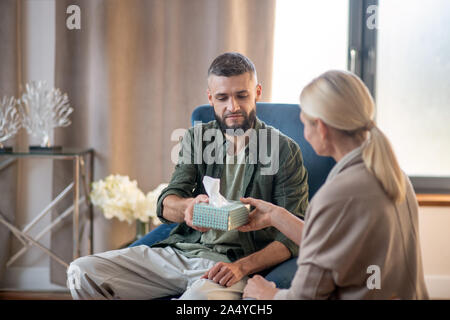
<point>360,237</point>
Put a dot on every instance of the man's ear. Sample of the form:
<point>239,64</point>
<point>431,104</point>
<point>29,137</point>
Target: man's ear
<point>209,97</point>
<point>258,92</point>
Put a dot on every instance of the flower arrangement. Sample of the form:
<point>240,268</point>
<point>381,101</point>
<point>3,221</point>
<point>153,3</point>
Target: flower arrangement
<point>121,198</point>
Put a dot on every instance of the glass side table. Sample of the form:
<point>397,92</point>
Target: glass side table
<point>81,177</point>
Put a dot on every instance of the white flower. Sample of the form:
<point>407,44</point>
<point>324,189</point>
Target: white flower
<point>147,209</point>
<point>119,197</point>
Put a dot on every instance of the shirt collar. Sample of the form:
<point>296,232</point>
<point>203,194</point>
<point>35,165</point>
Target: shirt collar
<point>343,162</point>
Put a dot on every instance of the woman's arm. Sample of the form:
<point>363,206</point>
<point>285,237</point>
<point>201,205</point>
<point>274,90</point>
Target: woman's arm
<point>267,214</point>
<point>290,225</point>
<point>310,282</point>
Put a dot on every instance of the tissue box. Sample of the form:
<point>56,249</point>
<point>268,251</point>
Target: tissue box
<point>226,218</point>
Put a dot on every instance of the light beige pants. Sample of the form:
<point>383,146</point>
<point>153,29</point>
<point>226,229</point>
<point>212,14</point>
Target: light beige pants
<point>142,272</point>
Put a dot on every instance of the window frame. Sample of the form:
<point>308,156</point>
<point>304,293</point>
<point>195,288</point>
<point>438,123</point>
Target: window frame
<point>362,60</point>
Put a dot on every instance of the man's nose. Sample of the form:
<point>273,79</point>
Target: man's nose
<point>233,105</point>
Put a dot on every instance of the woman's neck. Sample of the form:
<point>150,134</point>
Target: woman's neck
<point>344,146</point>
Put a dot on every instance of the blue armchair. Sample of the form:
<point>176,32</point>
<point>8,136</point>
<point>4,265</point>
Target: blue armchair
<point>286,118</point>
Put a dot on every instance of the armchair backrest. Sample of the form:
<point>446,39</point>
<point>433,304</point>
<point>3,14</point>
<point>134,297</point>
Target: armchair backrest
<point>286,118</point>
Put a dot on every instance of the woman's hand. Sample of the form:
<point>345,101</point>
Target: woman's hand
<point>189,212</point>
<point>261,216</point>
<point>259,288</point>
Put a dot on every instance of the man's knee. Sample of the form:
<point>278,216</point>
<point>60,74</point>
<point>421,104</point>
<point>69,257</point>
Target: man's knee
<point>76,270</point>
<point>85,280</point>
<point>201,289</point>
<point>83,264</point>
<point>204,289</point>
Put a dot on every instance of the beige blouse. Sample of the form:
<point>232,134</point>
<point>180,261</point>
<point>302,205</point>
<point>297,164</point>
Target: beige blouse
<point>357,243</point>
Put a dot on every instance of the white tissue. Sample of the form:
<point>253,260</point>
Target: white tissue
<point>212,188</point>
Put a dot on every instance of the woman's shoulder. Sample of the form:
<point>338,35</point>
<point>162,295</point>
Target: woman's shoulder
<point>352,200</point>
<point>354,193</point>
<point>352,182</point>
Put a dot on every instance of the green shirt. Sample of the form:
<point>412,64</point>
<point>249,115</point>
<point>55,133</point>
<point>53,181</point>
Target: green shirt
<point>231,187</point>
<point>287,188</point>
<point>232,179</point>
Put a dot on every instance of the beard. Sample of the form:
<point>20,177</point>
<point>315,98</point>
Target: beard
<point>249,122</point>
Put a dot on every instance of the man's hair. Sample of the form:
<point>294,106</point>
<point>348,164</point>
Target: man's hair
<point>231,64</point>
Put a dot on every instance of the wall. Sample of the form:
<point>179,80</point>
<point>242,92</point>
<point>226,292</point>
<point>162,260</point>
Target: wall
<point>34,192</point>
<point>434,223</point>
<point>31,271</point>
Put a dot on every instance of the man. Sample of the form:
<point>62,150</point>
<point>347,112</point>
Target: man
<point>196,262</point>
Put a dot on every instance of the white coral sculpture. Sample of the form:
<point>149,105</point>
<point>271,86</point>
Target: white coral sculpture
<point>44,109</point>
<point>10,120</point>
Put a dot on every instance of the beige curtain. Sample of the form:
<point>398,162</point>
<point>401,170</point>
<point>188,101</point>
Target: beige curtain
<point>134,72</point>
<point>9,83</point>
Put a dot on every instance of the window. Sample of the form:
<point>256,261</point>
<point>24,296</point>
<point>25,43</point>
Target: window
<point>399,48</point>
<point>311,37</point>
<point>413,85</point>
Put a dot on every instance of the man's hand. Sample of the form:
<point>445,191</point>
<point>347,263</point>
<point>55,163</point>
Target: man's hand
<point>259,288</point>
<point>225,274</point>
<point>189,212</point>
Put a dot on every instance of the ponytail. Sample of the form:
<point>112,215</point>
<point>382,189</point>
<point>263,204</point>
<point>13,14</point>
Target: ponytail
<point>380,159</point>
<point>343,102</point>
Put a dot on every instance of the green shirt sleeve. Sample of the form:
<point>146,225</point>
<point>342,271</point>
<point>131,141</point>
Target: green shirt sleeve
<point>183,181</point>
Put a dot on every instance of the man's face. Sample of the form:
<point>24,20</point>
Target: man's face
<point>234,100</point>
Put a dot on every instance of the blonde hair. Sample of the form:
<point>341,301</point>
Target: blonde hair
<point>342,101</point>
